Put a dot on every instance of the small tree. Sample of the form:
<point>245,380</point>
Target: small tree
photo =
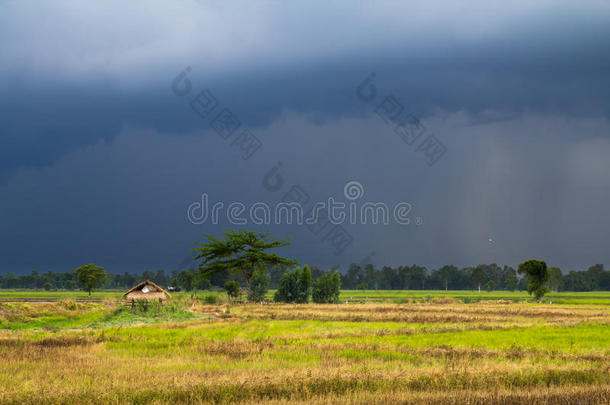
<point>326,288</point>
<point>294,286</point>
<point>90,277</point>
<point>232,289</point>
<point>259,284</point>
<point>287,289</point>
<point>538,275</point>
<point>304,290</point>
<point>186,280</point>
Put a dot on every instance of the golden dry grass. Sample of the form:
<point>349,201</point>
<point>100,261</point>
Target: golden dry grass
<point>437,353</point>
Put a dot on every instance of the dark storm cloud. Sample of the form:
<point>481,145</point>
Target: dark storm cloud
<point>124,203</point>
<point>49,119</point>
<point>93,141</point>
<point>71,85</point>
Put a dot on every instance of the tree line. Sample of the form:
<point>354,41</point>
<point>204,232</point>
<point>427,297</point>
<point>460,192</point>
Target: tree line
<point>68,280</point>
<point>483,276</point>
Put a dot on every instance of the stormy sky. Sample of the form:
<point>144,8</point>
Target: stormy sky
<point>102,154</point>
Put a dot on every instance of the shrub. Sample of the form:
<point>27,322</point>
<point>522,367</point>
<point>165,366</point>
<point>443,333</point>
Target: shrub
<point>232,289</point>
<point>145,311</point>
<point>68,303</point>
<point>294,286</point>
<point>211,299</point>
<point>443,300</point>
<point>259,284</point>
<point>143,306</point>
<point>326,288</point>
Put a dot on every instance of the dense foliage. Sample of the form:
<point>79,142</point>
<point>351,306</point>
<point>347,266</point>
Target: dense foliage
<point>240,251</point>
<point>488,276</point>
<point>51,280</point>
<point>259,284</point>
<point>326,288</point>
<point>538,276</point>
<point>232,289</point>
<point>90,277</point>
<point>483,276</point>
<point>186,279</point>
<point>294,286</point>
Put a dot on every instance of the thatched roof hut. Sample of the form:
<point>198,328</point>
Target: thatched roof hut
<point>146,290</point>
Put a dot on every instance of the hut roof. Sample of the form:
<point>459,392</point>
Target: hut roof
<point>145,290</point>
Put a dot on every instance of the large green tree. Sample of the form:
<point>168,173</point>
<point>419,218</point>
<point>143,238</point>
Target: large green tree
<point>538,275</point>
<point>242,251</point>
<point>90,277</point>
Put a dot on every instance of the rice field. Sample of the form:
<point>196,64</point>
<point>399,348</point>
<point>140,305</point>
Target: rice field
<point>347,296</point>
<point>436,350</point>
